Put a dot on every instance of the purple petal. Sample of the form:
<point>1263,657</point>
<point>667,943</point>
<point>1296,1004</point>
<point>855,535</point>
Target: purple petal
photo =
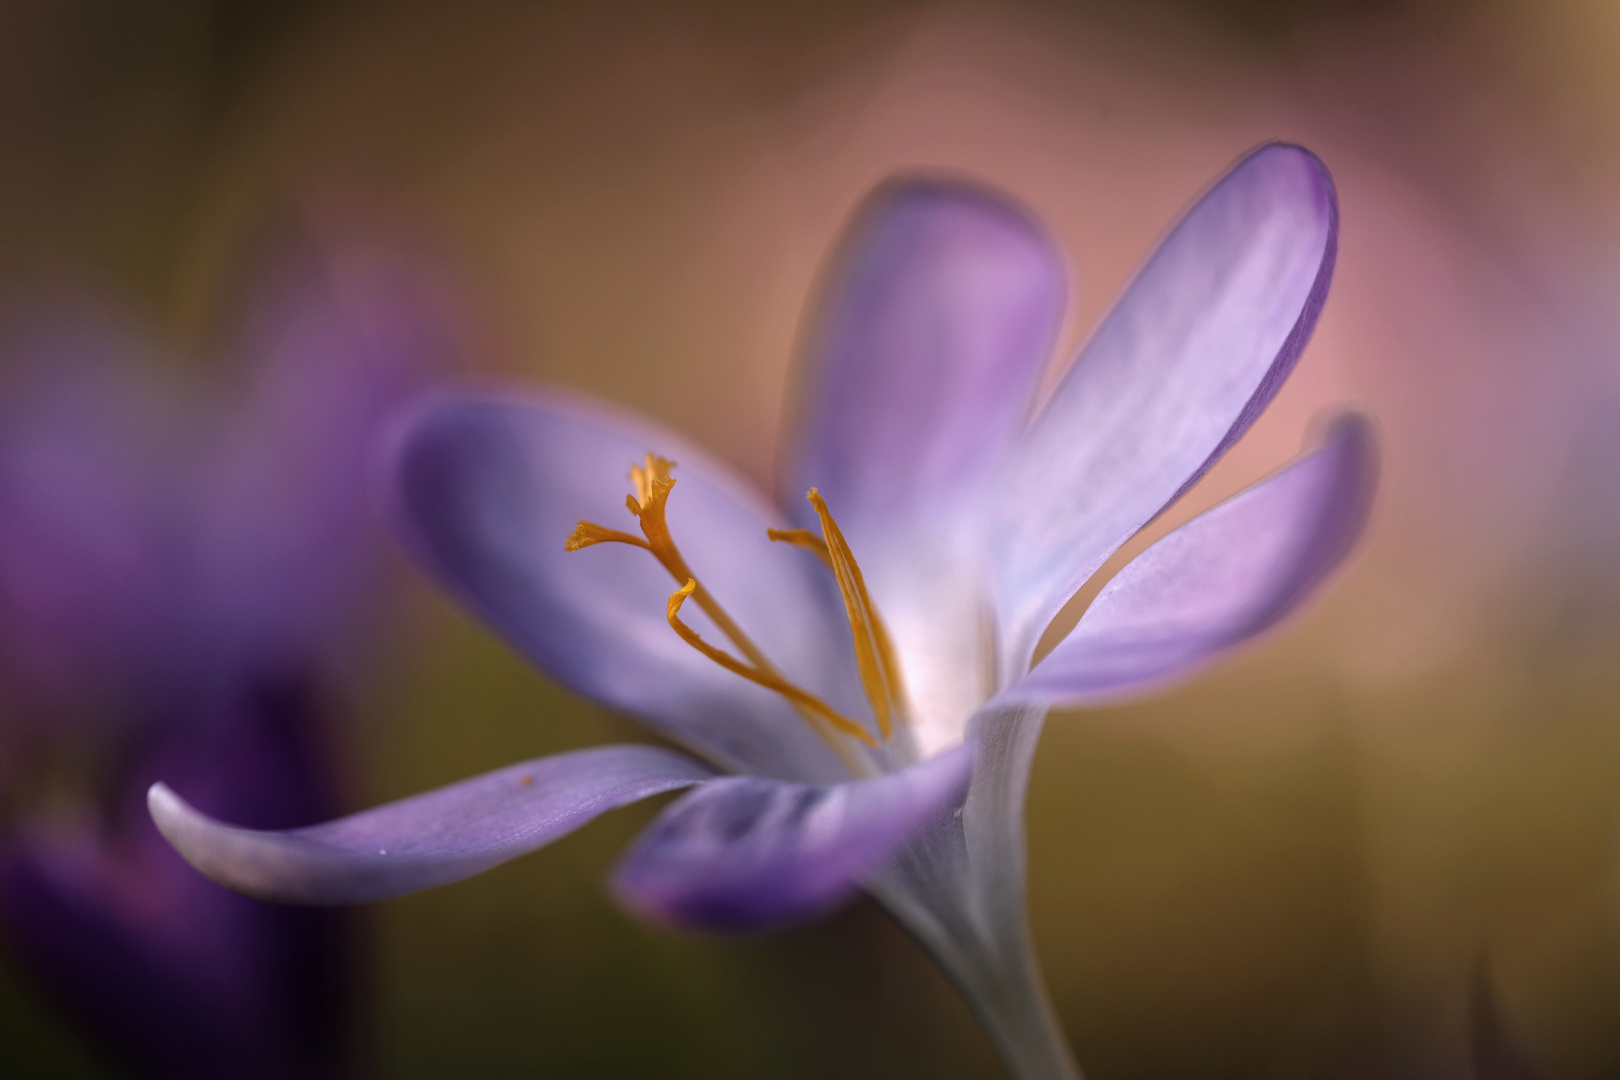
<point>82,450</point>
<point>744,853</point>
<point>487,492</point>
<point>1196,348</point>
<point>431,839</point>
<point>938,316</point>
<point>287,547</point>
<point>1218,580</point>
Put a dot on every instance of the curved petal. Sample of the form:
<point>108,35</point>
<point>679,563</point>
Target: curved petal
<point>747,854</point>
<point>431,839</point>
<point>1178,370</point>
<point>487,491</point>
<point>1218,580</point>
<point>935,320</point>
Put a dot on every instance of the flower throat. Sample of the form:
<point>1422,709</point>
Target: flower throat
<point>874,653</point>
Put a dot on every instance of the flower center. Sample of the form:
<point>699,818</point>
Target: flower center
<point>875,658</point>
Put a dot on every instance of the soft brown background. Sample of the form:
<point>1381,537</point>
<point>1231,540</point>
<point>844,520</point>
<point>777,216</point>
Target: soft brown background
<point>1289,866</point>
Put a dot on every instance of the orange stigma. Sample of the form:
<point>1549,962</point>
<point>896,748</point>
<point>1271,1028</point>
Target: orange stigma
<point>874,654</point>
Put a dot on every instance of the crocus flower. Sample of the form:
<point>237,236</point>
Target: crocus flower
<point>178,576</point>
<point>858,664</point>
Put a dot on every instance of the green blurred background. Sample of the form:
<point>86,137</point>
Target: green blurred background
<point>1287,868</point>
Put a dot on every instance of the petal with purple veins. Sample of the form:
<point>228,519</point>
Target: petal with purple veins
<point>1217,581</point>
<point>745,853</point>
<point>1178,370</point>
<point>430,839</point>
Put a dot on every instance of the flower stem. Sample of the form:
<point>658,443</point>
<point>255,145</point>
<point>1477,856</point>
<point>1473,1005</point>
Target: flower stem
<point>959,889</point>
<point>1011,1003</point>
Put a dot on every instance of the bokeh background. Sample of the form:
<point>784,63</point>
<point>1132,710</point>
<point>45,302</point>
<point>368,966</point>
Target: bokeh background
<point>1290,867</point>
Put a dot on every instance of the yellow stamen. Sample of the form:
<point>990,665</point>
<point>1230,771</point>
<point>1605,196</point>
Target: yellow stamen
<point>769,680</point>
<point>653,485</point>
<point>803,538</point>
<point>585,534</point>
<point>874,653</point>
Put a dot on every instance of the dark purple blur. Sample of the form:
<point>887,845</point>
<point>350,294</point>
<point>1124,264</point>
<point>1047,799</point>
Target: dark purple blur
<point>186,577</point>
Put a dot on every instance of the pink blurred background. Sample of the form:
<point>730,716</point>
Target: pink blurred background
<point>1289,867</point>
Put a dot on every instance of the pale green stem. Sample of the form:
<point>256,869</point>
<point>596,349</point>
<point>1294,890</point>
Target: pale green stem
<point>960,890</point>
<point>1010,1000</point>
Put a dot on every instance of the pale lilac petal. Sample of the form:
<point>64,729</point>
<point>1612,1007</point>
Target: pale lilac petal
<point>745,853</point>
<point>488,490</point>
<point>1218,580</point>
<point>1198,345</point>
<point>431,839</point>
<point>937,317</point>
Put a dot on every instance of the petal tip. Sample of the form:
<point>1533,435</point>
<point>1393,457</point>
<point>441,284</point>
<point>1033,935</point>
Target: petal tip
<point>183,826</point>
<point>942,187</point>
<point>1351,439</point>
<point>1278,154</point>
<point>169,811</point>
<point>196,837</point>
<point>1295,179</point>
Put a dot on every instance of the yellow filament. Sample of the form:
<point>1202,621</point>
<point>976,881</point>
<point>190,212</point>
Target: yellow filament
<point>874,653</point>
<point>585,534</point>
<point>803,538</point>
<point>653,485</point>
<point>769,680</point>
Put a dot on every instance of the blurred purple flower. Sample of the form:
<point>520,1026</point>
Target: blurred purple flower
<point>178,577</point>
<point>974,515</point>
